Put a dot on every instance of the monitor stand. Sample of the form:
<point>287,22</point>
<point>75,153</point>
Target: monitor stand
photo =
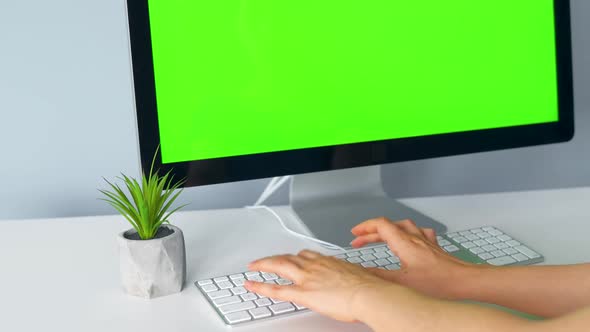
<point>330,203</point>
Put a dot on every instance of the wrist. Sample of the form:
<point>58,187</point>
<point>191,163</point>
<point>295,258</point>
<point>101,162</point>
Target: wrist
<point>360,300</point>
<point>467,281</point>
<point>366,298</point>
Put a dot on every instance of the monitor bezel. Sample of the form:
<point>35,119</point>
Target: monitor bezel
<point>264,165</point>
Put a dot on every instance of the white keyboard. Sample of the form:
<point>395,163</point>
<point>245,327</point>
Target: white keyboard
<point>235,305</point>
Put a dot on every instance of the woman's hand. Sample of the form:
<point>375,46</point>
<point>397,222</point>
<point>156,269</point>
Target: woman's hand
<point>424,265</point>
<point>324,284</point>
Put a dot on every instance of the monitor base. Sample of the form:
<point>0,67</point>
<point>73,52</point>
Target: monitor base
<point>329,204</point>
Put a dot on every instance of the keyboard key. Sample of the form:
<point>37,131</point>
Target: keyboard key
<point>355,260</point>
<point>236,276</point>
<point>249,297</point>
<point>225,285</point>
<point>367,251</point>
<point>488,228</point>
<point>520,257</point>
<point>510,251</point>
<point>380,249</point>
<point>527,251</point>
<point>501,245</point>
<point>260,313</point>
<point>209,288</point>
<point>471,237</point>
<point>443,243</point>
<point>392,267</point>
<point>239,282</point>
<point>468,245</point>
<point>484,235</point>
<point>465,233</point>
<point>492,240</point>
<point>368,264</point>
<point>481,242</point>
<point>501,261</point>
<point>451,248</point>
<point>219,294</point>
<point>252,273</point>
<point>381,254</point>
<point>353,254</point>
<point>394,259</point>
<point>227,300</point>
<point>263,302</point>
<point>477,230</point>
<point>238,317</point>
<point>477,250</point>
<point>284,282</point>
<point>270,276</point>
<point>460,239</point>
<point>256,278</point>
<point>277,301</point>
<point>281,308</point>
<point>368,257</point>
<point>452,235</point>
<point>382,262</point>
<point>219,279</point>
<point>486,256</point>
<point>513,243</point>
<point>239,290</point>
<point>299,307</point>
<point>498,253</point>
<point>504,238</point>
<point>205,282</point>
<point>489,247</point>
<point>228,309</point>
<point>341,256</point>
<point>495,232</point>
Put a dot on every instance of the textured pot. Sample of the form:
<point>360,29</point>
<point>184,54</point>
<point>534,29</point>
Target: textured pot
<point>152,268</point>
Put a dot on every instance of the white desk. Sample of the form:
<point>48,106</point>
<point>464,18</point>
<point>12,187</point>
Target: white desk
<point>62,274</point>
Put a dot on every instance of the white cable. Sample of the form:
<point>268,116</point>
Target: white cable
<point>272,182</point>
<point>271,188</point>
<point>324,244</point>
<point>267,191</point>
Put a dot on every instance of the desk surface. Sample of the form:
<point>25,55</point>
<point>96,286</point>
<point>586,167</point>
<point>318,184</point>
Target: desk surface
<point>62,274</point>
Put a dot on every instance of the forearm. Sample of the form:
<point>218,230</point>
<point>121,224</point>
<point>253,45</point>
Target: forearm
<point>546,291</point>
<point>401,309</point>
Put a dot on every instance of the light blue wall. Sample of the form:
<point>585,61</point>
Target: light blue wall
<point>67,120</point>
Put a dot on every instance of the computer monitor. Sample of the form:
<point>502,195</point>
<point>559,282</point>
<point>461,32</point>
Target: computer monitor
<point>236,90</point>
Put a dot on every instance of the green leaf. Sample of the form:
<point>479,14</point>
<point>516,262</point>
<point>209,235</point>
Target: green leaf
<point>146,203</point>
<point>122,212</point>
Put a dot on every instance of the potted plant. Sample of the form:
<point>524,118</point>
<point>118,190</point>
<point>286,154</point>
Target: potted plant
<point>152,253</point>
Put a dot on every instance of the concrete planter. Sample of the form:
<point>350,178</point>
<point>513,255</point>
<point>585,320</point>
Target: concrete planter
<point>152,268</point>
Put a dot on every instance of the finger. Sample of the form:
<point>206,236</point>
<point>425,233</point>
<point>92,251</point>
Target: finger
<point>308,254</point>
<point>286,266</point>
<point>283,293</point>
<point>388,231</point>
<point>365,239</point>
<point>410,227</point>
<point>299,260</point>
<point>369,226</point>
<point>430,235</point>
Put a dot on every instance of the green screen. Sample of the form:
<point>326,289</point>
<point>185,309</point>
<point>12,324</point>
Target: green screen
<point>237,77</point>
